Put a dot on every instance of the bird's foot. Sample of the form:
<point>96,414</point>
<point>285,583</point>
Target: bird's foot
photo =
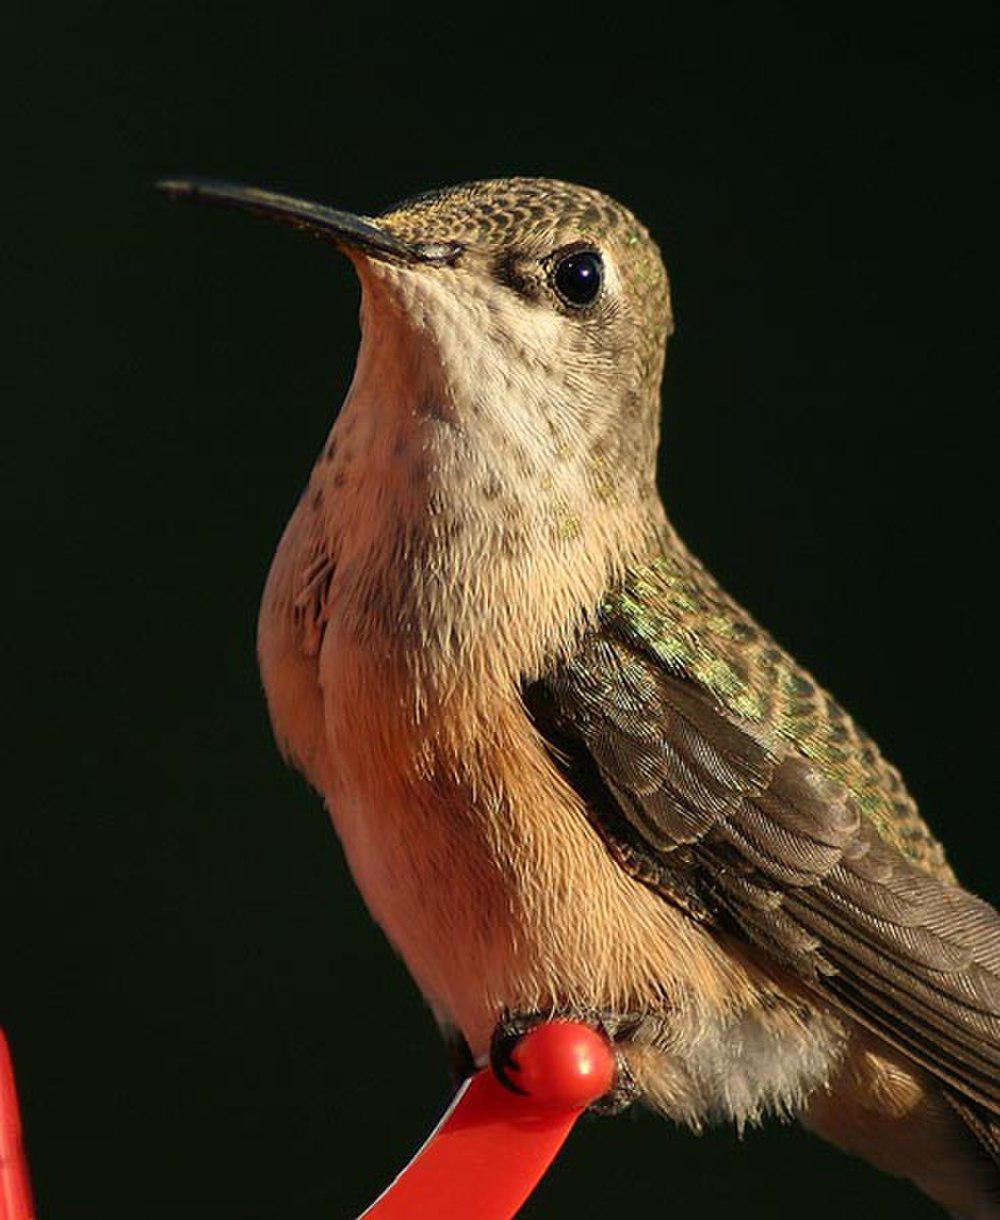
<point>513,1026</point>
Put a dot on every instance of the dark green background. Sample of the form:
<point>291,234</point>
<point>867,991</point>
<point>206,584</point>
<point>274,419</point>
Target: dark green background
<point>205,1022</point>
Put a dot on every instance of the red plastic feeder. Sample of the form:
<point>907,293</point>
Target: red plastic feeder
<point>493,1145</point>
<point>15,1190</point>
<point>485,1156</point>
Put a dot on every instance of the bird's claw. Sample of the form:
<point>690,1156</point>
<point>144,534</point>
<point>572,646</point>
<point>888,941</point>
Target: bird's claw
<point>622,1094</point>
<point>512,1027</point>
<point>507,1033</point>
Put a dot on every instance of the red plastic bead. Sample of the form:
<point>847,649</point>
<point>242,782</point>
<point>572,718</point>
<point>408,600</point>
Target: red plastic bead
<point>492,1147</point>
<point>564,1064</point>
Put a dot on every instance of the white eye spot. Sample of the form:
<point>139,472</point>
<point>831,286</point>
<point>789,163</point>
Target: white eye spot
<point>439,251</point>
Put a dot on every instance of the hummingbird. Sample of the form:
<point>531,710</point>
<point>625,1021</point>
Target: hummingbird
<point>570,774</point>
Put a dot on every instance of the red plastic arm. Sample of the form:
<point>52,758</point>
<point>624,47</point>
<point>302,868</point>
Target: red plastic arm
<point>485,1157</point>
<point>493,1146</point>
<point>15,1189</point>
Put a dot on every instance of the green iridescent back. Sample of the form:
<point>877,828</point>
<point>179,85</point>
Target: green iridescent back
<point>674,610</point>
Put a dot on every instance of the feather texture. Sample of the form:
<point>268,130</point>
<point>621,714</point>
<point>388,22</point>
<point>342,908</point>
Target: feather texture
<point>731,796</point>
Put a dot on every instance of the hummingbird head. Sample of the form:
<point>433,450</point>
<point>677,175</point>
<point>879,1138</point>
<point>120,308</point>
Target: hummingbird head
<point>527,315</point>
<point>504,414</point>
<point>548,318</point>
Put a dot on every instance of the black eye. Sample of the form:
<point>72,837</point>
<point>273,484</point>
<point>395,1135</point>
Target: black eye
<point>578,277</point>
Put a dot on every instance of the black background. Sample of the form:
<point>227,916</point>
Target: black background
<point>205,1022</point>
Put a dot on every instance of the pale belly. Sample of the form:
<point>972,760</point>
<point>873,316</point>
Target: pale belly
<point>437,901</point>
<point>425,845</point>
<point>702,1039</point>
<point>493,886</point>
<point>483,870</point>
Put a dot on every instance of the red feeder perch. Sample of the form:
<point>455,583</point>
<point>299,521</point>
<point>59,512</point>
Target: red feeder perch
<point>485,1156</point>
<point>15,1190</point>
<point>493,1146</point>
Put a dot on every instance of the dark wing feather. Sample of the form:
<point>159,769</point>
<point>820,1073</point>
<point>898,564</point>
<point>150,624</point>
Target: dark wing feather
<point>725,817</point>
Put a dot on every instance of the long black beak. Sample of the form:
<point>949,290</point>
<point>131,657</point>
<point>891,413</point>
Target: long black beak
<point>341,228</point>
